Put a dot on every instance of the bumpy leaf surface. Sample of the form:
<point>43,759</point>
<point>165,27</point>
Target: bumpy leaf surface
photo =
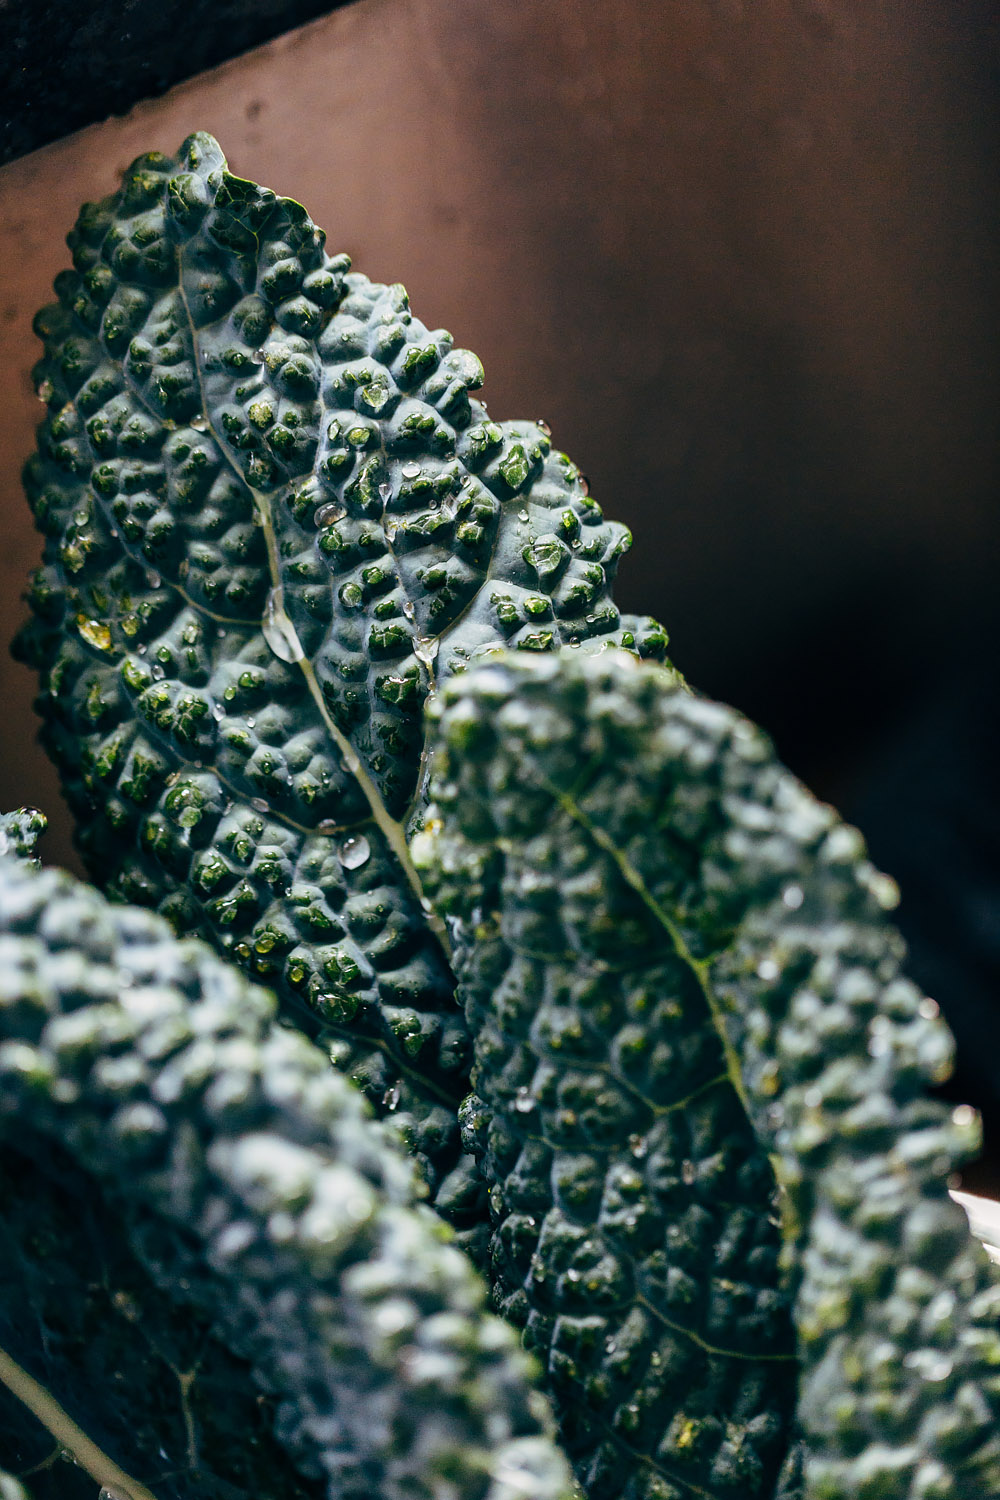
<point>719,1184</point>
<point>273,519</point>
<point>148,1100</point>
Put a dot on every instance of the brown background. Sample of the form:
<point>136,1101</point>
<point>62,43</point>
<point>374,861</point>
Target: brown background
<point>740,256</point>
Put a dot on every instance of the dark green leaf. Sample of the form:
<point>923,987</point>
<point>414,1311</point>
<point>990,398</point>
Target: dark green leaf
<point>719,1182</point>
<point>274,518</point>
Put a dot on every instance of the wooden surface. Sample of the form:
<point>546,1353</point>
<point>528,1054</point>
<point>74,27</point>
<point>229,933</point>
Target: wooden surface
<point>741,257</point>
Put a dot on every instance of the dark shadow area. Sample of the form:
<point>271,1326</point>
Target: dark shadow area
<point>65,65</point>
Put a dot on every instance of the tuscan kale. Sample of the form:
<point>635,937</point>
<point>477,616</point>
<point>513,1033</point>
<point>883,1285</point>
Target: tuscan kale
<point>334,680</point>
<point>274,519</point>
<point>719,1186</point>
<point>209,1155</point>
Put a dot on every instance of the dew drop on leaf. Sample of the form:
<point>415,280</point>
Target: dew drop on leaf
<point>45,391</point>
<point>544,426</point>
<point>153,579</point>
<point>200,423</point>
<point>218,713</point>
<point>385,490</point>
<point>391,1097</point>
<point>328,825</point>
<point>327,515</point>
<point>158,672</point>
<point>354,851</point>
<point>425,648</point>
<point>257,356</point>
<point>410,471</point>
<point>259,804</point>
<point>279,632</point>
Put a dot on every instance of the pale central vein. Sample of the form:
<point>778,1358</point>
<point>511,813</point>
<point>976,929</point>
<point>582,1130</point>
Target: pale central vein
<point>70,1436</point>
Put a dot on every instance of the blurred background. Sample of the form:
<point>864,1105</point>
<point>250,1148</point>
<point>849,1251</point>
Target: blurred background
<point>741,255</point>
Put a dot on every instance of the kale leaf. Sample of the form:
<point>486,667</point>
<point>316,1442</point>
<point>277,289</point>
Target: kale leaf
<point>719,1182</point>
<point>274,519</point>
<point>205,1233</point>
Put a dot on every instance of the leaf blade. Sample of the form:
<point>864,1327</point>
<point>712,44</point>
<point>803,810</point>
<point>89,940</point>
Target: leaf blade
<point>591,805</point>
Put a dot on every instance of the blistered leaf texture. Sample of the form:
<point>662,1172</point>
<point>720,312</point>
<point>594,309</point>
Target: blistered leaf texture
<point>249,1181</point>
<point>719,1183</point>
<point>274,520</point>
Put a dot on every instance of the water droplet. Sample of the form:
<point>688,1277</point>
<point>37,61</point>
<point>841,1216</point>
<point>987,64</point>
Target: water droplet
<point>391,527</point>
<point>259,804</point>
<point>584,484</point>
<point>279,632</point>
<point>327,515</point>
<point>114,534</point>
<point>218,712</point>
<point>688,1173</point>
<point>140,650</point>
<point>251,721</point>
<point>523,1102</point>
<point>110,1492</point>
<point>539,422</point>
<point>573,1275</point>
<point>767,970</point>
<point>45,391</point>
<point>638,1145</point>
<point>173,778</point>
<point>793,897</point>
<point>610,1345</point>
<point>354,851</point>
<point>200,422</point>
<point>385,490</point>
<point>158,672</point>
<point>328,825</point>
<point>425,648</point>
<point>522,515</point>
<point>257,356</point>
<point>963,1116</point>
<point>929,1008</point>
<point>153,579</point>
<point>391,1098</point>
<point>408,609</point>
<point>466,481</point>
<point>410,470</point>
